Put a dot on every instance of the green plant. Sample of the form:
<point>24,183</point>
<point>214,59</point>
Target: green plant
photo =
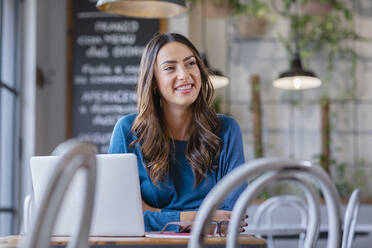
<point>332,35</point>
<point>217,104</point>
<point>257,8</point>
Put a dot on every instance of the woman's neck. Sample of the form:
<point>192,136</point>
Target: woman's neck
<point>178,122</point>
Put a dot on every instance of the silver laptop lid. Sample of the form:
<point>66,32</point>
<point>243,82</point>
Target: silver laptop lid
<point>118,205</point>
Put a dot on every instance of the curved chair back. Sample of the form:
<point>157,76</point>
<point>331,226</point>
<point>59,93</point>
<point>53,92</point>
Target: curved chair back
<point>74,156</point>
<point>258,167</point>
<point>253,190</point>
<point>351,216</point>
<point>27,210</point>
<point>264,213</point>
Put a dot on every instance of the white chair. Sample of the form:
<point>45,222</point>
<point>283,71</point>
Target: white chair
<point>313,222</point>
<point>276,167</point>
<point>74,156</point>
<point>264,215</point>
<point>350,219</point>
<point>27,214</point>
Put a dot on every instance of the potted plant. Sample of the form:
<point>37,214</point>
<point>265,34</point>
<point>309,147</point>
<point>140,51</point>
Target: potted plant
<point>219,8</point>
<point>317,7</point>
<point>251,18</point>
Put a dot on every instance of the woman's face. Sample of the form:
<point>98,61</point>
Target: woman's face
<point>177,75</point>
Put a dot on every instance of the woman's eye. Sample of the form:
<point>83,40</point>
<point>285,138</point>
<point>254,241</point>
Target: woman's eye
<point>191,63</point>
<point>168,68</point>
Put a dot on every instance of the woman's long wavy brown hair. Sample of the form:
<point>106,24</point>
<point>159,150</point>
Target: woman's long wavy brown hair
<point>150,128</point>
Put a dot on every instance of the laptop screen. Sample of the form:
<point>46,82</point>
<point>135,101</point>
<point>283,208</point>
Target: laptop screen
<point>118,205</point>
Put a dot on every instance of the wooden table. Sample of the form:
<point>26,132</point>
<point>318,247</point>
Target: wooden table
<point>246,241</point>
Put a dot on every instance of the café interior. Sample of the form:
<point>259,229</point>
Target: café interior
<point>294,74</point>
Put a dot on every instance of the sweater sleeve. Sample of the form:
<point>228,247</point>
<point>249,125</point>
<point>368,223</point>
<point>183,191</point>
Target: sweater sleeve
<point>118,142</point>
<point>155,221</point>
<point>232,158</point>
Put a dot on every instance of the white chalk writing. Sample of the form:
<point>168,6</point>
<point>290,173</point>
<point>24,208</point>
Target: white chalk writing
<point>109,96</point>
<point>105,120</point>
<point>96,69</point>
<point>122,26</point>
<point>96,52</point>
<point>112,108</point>
<point>127,51</point>
<point>89,40</point>
<point>113,79</point>
<point>95,137</point>
<point>120,39</point>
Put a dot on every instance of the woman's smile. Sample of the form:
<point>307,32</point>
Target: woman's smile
<point>184,88</point>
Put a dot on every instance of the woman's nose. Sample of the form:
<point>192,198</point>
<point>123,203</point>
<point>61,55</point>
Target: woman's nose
<point>182,73</point>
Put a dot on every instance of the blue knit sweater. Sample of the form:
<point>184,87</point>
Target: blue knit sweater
<point>178,192</point>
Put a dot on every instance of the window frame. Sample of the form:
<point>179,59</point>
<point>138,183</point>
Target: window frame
<point>12,165</point>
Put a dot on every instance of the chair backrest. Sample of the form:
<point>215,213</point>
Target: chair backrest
<point>257,185</point>
<point>351,216</point>
<point>263,218</point>
<point>265,212</point>
<point>253,169</point>
<point>74,156</point>
<point>27,210</point>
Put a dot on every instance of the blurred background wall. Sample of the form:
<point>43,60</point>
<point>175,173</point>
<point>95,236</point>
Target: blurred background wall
<point>291,119</point>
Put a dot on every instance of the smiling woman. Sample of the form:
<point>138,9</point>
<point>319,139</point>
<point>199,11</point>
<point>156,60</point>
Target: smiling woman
<point>183,147</point>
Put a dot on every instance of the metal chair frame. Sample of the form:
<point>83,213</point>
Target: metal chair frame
<point>256,186</point>
<point>264,215</point>
<point>351,217</point>
<point>267,208</point>
<point>313,220</point>
<point>74,156</point>
<point>257,167</point>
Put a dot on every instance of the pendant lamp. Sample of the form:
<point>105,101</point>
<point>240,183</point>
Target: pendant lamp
<point>297,78</point>
<point>218,80</point>
<point>143,8</point>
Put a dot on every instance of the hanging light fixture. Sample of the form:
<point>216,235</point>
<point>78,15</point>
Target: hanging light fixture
<point>143,8</point>
<point>217,78</point>
<point>297,78</point>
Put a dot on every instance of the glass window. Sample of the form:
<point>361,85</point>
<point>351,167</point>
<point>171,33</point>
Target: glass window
<point>9,104</point>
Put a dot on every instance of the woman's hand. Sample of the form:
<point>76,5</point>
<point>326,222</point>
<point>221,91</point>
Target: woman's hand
<point>224,215</point>
<point>218,216</point>
<point>189,216</point>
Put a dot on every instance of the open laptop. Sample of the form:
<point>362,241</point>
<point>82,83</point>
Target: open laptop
<point>118,205</point>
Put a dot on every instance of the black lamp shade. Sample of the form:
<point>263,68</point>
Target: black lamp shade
<point>297,78</point>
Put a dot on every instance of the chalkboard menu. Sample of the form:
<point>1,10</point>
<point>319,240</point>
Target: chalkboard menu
<point>106,52</point>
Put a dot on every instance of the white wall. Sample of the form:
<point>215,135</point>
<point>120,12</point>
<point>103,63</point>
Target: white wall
<point>28,125</point>
<point>51,59</point>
